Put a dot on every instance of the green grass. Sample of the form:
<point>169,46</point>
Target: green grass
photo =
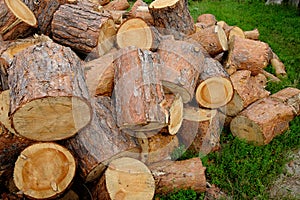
<point>242,170</point>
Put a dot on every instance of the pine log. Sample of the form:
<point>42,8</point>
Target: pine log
<point>237,32</point>
<point>125,178</point>
<point>215,88</point>
<point>47,84</point>
<point>247,54</point>
<point>17,20</point>
<point>260,122</point>
<point>186,174</point>
<point>253,34</point>
<point>136,32</point>
<point>4,114</point>
<point>212,38</point>
<point>117,5</point>
<point>3,74</point>
<point>138,91</point>
<point>247,89</point>
<point>206,20</point>
<point>85,31</point>
<point>182,63</point>
<point>44,170</point>
<point>100,141</point>
<point>278,65</point>
<point>172,17</point>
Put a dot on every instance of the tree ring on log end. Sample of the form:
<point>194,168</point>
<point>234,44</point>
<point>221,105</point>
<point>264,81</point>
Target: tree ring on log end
<point>162,3</point>
<point>44,170</point>
<point>51,118</point>
<point>214,92</point>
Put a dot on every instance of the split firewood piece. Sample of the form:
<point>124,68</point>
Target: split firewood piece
<point>138,91</point>
<point>247,54</point>
<point>182,62</point>
<point>186,174</point>
<point>237,32</point>
<point>262,121</point>
<point>278,65</point>
<point>17,20</point>
<point>101,141</point>
<point>225,27</point>
<point>117,5</point>
<point>47,86</point>
<point>247,89</point>
<point>3,74</point>
<point>172,17</point>
<point>44,170</point>
<point>206,20</point>
<point>290,97</point>
<point>144,13</point>
<point>125,178</point>
<point>215,88</point>
<point>201,129</point>
<point>212,38</point>
<point>253,35</point>
<point>135,6</point>
<point>85,31</point>
<point>136,32</point>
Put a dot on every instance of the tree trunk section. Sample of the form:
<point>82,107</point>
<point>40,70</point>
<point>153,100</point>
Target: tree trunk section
<point>47,84</point>
<point>262,121</point>
<point>17,20</point>
<point>212,38</point>
<point>44,170</point>
<point>138,91</point>
<point>172,17</point>
<point>182,62</point>
<point>247,89</point>
<point>85,31</point>
<point>125,178</point>
<point>215,88</point>
<point>186,174</point>
<point>100,141</point>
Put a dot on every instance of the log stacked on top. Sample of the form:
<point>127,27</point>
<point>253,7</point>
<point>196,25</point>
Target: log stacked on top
<point>151,81</point>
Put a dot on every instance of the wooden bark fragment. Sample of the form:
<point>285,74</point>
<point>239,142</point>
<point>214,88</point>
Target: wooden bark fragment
<point>181,65</point>
<point>206,20</point>
<point>125,178</point>
<point>215,88</point>
<point>278,65</point>
<point>247,54</point>
<point>4,114</point>
<point>138,91</point>
<point>83,30</point>
<point>262,121</point>
<point>253,34</point>
<point>44,170</point>
<point>117,5</point>
<point>212,38</point>
<point>136,32</point>
<point>17,20</point>
<point>3,74</point>
<point>101,141</point>
<point>247,89</point>
<point>172,17</point>
<point>47,85</point>
<point>186,174</point>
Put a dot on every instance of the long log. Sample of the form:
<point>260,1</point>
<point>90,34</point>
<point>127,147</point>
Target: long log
<point>125,178</point>
<point>17,20</point>
<point>49,99</point>
<point>101,141</point>
<point>44,170</point>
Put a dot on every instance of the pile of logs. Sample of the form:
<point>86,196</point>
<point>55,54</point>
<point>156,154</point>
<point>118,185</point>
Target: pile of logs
<point>95,99</point>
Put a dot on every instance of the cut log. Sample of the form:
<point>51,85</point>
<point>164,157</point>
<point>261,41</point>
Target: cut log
<point>44,170</point>
<point>236,32</point>
<point>4,114</point>
<point>125,178</point>
<point>253,35</point>
<point>212,38</point>
<point>215,88</point>
<point>85,31</point>
<point>3,74</point>
<point>144,13</point>
<point>182,62</point>
<point>117,5</point>
<point>247,54</point>
<point>186,174</point>
<point>172,17</point>
<point>176,115</point>
<point>201,129</point>
<point>100,141</point>
<point>278,65</point>
<point>136,5</point>
<point>138,91</point>
<point>17,20</point>
<point>262,121</point>
<point>47,86</point>
<point>136,32</point>
<point>290,97</point>
<point>225,27</point>
<point>247,89</point>
<point>206,20</point>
